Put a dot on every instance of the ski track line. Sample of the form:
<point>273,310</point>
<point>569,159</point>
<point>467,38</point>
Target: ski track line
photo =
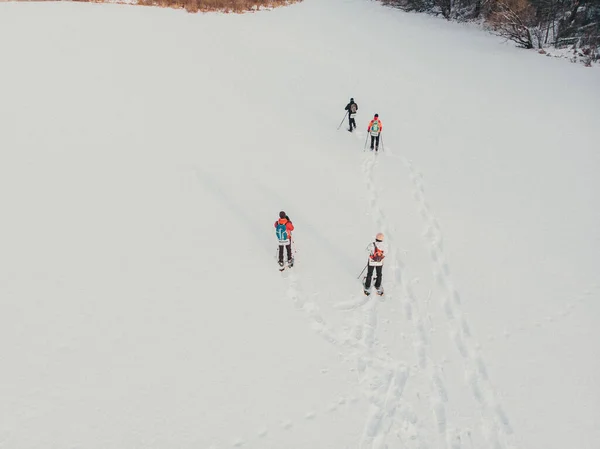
<point>386,392</point>
<point>262,435</point>
<point>422,343</point>
<point>383,385</point>
<point>496,426</point>
<point>369,362</point>
<point>381,378</point>
<point>320,326</point>
<point>378,375</point>
<point>563,312</point>
<point>345,341</point>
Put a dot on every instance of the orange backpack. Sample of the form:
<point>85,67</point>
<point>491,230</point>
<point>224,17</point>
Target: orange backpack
<point>377,255</point>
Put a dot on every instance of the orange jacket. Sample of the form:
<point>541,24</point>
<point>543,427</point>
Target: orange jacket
<point>288,225</point>
<point>378,122</point>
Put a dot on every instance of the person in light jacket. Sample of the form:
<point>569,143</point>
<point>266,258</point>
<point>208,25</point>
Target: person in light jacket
<point>377,252</point>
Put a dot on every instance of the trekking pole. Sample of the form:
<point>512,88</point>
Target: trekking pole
<point>363,270</point>
<point>382,147</point>
<point>366,140</point>
<point>343,120</point>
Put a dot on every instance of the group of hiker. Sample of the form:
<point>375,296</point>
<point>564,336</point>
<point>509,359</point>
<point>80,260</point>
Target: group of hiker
<point>376,250</point>
<point>374,129</point>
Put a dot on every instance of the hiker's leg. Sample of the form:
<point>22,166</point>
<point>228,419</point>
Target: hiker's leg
<point>379,278</point>
<point>369,276</point>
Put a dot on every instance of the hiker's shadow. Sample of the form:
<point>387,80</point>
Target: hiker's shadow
<point>310,229</point>
<point>241,213</point>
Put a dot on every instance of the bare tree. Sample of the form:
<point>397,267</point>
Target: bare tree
<point>528,23</point>
<point>514,20</point>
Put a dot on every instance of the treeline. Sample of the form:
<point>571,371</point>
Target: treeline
<point>237,6</point>
<point>528,23</point>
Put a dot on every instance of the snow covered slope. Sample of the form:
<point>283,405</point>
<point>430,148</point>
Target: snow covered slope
<point>144,156</point>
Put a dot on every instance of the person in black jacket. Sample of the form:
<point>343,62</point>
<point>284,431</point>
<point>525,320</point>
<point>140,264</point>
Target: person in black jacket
<point>352,108</point>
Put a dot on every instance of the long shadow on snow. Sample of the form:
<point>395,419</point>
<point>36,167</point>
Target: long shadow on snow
<point>338,253</point>
<point>216,188</point>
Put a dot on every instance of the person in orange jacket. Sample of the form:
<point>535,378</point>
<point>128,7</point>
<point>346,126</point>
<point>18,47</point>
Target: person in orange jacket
<point>375,129</point>
<point>283,230</point>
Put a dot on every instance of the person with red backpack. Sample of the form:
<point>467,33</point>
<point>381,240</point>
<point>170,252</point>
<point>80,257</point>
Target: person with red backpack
<point>377,252</point>
<point>283,231</point>
<point>352,108</point>
<point>375,129</point>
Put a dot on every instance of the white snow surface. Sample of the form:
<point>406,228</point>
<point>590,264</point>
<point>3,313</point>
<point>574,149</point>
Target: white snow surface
<point>144,156</point>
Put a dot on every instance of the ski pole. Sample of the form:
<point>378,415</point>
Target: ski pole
<point>363,270</point>
<point>366,140</point>
<point>343,120</point>
<point>382,147</point>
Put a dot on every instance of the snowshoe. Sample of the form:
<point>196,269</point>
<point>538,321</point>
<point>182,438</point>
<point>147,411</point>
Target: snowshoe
<point>366,291</point>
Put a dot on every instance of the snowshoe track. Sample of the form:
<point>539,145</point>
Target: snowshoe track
<point>496,426</point>
<point>402,291</point>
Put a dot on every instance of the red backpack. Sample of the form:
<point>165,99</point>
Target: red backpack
<point>377,255</point>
